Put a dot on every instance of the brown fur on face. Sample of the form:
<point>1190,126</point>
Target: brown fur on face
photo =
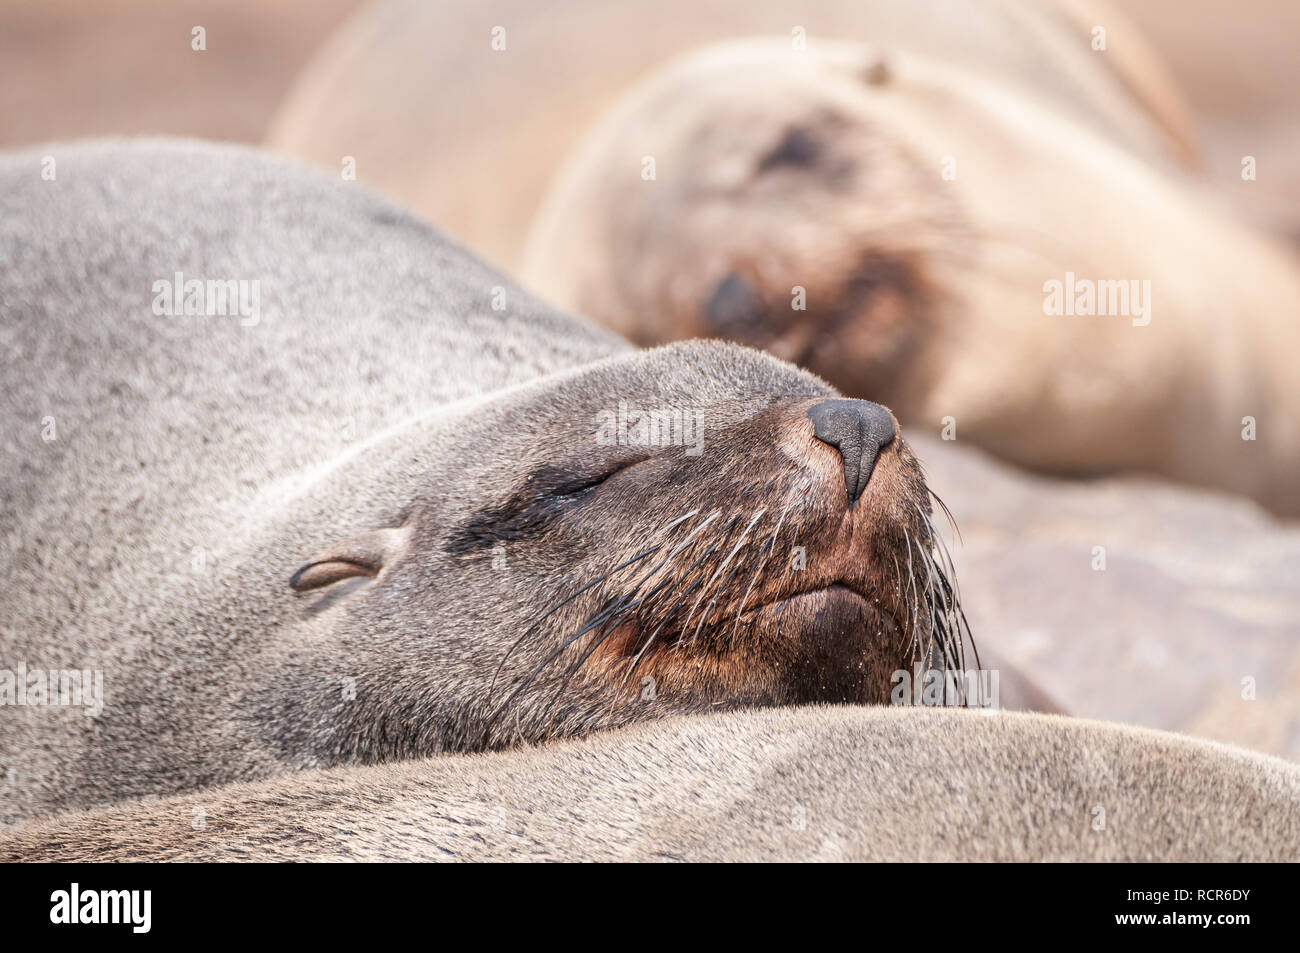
<point>760,585</point>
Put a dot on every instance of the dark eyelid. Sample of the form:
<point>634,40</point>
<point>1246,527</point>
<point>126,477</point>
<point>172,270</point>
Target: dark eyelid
<point>529,510</point>
<point>577,485</point>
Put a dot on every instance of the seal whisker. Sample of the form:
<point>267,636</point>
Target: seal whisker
<point>597,641</point>
<point>905,624</point>
<point>678,549</point>
<point>944,575</point>
<point>704,583</point>
<point>923,590</point>
<point>735,549</point>
<point>948,513</point>
<point>599,579</point>
<point>940,588</point>
<point>595,621</point>
<point>561,604</point>
<point>937,596</point>
<point>758,567</point>
<point>954,649</point>
<point>937,625</point>
<point>959,625</point>
<point>718,590</point>
<point>947,554</point>
<point>612,609</point>
<point>913,607</point>
<point>636,660</point>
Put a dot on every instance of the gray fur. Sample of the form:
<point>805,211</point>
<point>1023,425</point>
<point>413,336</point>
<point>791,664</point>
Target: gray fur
<point>197,463</point>
<point>875,784</point>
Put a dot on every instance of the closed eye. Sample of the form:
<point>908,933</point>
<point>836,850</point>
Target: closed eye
<point>578,485</point>
<point>545,495</point>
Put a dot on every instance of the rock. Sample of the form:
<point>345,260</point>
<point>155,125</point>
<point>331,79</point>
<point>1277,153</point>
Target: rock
<point>1193,625</point>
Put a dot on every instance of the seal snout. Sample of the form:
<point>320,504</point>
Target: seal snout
<point>859,430</point>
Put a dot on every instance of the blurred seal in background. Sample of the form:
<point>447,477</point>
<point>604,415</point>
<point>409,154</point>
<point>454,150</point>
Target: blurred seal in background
<point>463,109</point>
<point>912,231</point>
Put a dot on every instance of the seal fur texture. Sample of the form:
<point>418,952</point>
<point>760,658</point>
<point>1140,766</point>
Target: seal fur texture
<point>842,783</point>
<point>378,519</point>
<point>804,208</point>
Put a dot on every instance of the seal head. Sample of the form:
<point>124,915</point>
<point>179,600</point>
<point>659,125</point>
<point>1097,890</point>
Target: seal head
<point>685,529</point>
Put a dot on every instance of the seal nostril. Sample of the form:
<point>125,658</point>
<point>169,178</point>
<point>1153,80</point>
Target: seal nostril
<point>734,307</point>
<point>858,429</point>
<point>798,147</point>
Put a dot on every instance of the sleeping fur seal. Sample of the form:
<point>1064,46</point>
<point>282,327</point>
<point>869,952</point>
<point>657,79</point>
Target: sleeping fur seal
<point>401,82</point>
<point>877,784</point>
<point>1063,303</point>
<point>301,483</point>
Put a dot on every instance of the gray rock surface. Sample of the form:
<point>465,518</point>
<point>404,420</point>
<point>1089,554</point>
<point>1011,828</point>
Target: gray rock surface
<point>1200,592</point>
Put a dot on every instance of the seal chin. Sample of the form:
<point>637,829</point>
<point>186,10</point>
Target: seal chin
<point>829,644</point>
<point>833,644</point>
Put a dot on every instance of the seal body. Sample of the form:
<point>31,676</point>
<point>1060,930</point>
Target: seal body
<point>858,784</point>
<point>299,483</point>
<point>946,244</point>
<point>514,84</point>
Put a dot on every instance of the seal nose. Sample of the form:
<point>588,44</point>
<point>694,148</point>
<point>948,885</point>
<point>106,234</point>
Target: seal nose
<point>858,429</point>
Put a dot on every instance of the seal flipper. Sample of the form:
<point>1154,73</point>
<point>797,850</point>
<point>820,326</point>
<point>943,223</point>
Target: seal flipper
<point>363,555</point>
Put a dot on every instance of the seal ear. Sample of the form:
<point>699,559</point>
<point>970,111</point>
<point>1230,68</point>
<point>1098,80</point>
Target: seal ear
<point>363,555</point>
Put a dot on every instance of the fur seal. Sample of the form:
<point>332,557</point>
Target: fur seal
<point>877,784</point>
<point>513,84</point>
<point>304,484</point>
<point>1066,305</point>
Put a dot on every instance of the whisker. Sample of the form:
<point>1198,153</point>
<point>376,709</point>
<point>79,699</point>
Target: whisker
<point>597,641</point>
<point>948,513</point>
<point>758,567</point>
<point>956,612</point>
<point>740,542</point>
<point>909,629</point>
<point>951,566</point>
<point>564,602</point>
<point>941,587</point>
<point>619,613</point>
<point>636,660</point>
<point>913,608</point>
<point>560,605</point>
<point>594,621</point>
